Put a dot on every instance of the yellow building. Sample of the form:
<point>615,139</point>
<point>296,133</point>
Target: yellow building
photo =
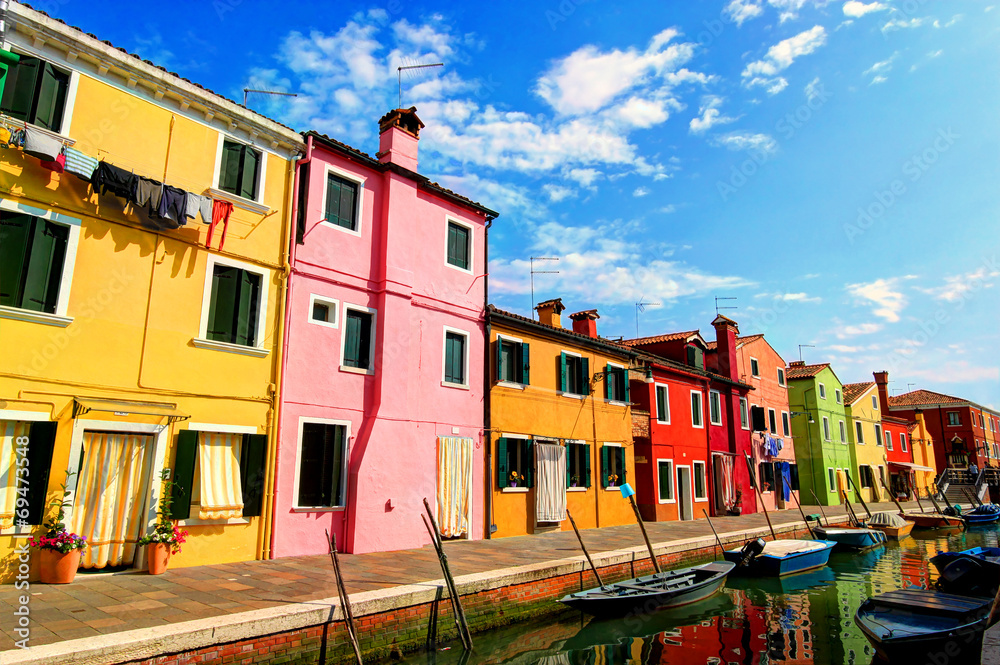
<point>560,423</point>
<point>130,345</point>
<point>866,441</point>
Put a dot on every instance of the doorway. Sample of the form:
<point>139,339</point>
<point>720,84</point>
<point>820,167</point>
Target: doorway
<point>454,509</point>
<point>685,507</point>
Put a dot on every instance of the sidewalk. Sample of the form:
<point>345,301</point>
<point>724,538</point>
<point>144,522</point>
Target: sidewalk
<point>96,605</point>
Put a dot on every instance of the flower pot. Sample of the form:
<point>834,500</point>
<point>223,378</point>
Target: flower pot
<point>512,483</point>
<point>54,567</point>
<point>157,557</point>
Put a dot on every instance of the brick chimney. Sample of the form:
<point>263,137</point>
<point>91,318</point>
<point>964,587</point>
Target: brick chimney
<point>797,363</point>
<point>399,131</point>
<point>725,338</point>
<point>549,311</point>
<point>882,381</point>
<point>585,322</point>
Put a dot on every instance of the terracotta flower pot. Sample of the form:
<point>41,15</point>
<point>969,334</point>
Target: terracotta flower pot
<point>54,567</point>
<point>157,556</point>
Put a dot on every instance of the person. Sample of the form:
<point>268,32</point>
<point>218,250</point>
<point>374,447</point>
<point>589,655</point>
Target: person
<point>973,470</point>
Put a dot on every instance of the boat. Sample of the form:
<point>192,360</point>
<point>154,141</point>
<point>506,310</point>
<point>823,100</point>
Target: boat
<point>780,557</point>
<point>971,572</point>
<point>670,588</point>
<point>932,520</point>
<point>915,625</point>
<point>891,524</point>
<point>987,513</point>
<point>854,538</point>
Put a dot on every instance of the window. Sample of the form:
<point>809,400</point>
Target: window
<point>459,245</point>
<point>866,476</point>
<point>822,391</point>
<point>218,472</point>
<point>240,168</point>
<point>826,428</point>
<point>838,395</point>
<point>859,433</point>
<point>772,421</point>
<point>843,432</point>
<point>793,472</point>
<point>902,441</point>
<point>754,367</point>
<point>32,259</point>
<point>662,403</point>
<point>456,357</point>
<point>696,409</point>
<point>613,469</point>
<point>786,427</point>
<point>234,310</point>
<point>714,407</point>
<point>512,361</point>
<point>23,494</point>
<point>323,311</point>
<point>514,463</point>
<point>665,475</point>
<point>322,481</point>
<point>341,202</point>
<point>781,377</point>
<point>577,464</point>
<point>765,476</point>
<point>744,413</point>
<point>695,357</point>
<point>574,374</point>
<point>616,383</point>
<point>953,419</point>
<point>888,440</point>
<point>359,338</point>
<point>700,482</point>
<point>831,479</point>
<point>878,435</point>
<point>875,402</point>
<point>35,91</point>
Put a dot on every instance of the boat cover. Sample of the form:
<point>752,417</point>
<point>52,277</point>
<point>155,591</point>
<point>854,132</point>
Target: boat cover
<point>781,548</point>
<point>887,519</point>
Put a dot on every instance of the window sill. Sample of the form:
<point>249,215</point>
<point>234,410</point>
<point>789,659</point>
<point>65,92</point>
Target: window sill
<point>616,488</point>
<point>615,402</point>
<point>356,370</point>
<point>697,500</point>
<point>511,385</point>
<point>239,201</point>
<point>197,521</point>
<point>714,423</point>
<point>514,490</point>
<point>230,348</point>
<point>30,316</point>
<point>331,509</point>
<point>457,386</point>
<point>467,271</point>
<point>343,229</point>
<point>662,502</point>
<point>577,489</point>
<point>571,395</point>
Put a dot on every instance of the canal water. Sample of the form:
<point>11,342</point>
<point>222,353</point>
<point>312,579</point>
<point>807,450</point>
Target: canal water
<point>806,619</point>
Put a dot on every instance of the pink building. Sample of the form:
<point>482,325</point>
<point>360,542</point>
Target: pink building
<point>382,396</point>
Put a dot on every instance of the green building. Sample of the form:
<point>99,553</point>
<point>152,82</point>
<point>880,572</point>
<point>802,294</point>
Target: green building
<point>819,430</point>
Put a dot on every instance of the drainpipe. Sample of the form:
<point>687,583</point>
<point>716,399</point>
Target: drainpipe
<point>487,419</point>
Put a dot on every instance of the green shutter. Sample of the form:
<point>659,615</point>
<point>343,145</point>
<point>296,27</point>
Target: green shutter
<point>347,196</point>
<point>248,173</point>
<point>659,402</point>
<point>51,98</point>
<point>502,469</point>
<point>498,358</point>
<point>222,307</point>
<point>333,199</point>
<point>585,376</point>
<point>628,387</point>
<point>19,89</point>
<point>183,474</point>
<point>232,157</point>
<point>604,466</point>
<point>15,233</point>
<point>528,459</point>
<point>45,264</point>
<point>608,381</point>
<point>561,362</point>
<point>41,441</point>
<point>352,334</point>
<point>622,467</point>
<point>525,364</point>
<point>569,465</point>
<point>586,455</point>
<point>253,458</point>
<point>249,298</point>
<point>364,340</point>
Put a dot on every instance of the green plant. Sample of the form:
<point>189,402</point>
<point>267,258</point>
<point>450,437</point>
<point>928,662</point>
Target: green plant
<point>165,530</point>
<point>56,536</point>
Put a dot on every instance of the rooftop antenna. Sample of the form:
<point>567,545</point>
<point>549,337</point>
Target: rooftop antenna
<point>718,298</point>
<point>805,346</point>
<point>399,81</point>
<point>539,272</point>
<point>247,91</point>
<point>908,386</point>
<point>641,307</point>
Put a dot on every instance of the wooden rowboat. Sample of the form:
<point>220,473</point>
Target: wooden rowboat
<point>988,513</point>
<point>781,557</point>
<point>891,524</point>
<point>854,538</point>
<point>932,520</point>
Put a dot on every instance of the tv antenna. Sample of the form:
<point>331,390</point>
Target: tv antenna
<point>805,346</point>
<point>641,307</point>
<point>399,82</point>
<point>908,386</point>
<point>718,298</point>
<point>247,91</point>
<point>539,272</point>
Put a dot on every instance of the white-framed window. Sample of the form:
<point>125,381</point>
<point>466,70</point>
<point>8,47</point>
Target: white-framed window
<point>458,245</point>
<point>843,432</point>
<point>234,475</point>
<point>754,367</point>
<point>39,93</point>
<point>240,171</point>
<point>866,477</point>
<point>697,410</point>
<point>37,259</point>
<point>455,366</point>
<point>878,434</point>
<point>781,377</point>
<point>574,374</point>
<point>831,478</point>
<point>822,391</point>
<point>859,433</point>
<point>234,307</point>
<point>714,407</point>
<point>902,441</point>
<point>662,403</point>
<point>343,200</point>
<point>744,413</point>
<point>786,424</point>
<point>826,428</point>
<point>324,311</point>
<point>513,361</point>
<point>875,402</point>
<point>321,464</point>
<point>772,421</point>
<point>616,388</point>
<point>614,468</point>
<point>700,481</point>
<point>357,343</point>
<point>665,480</point>
<point>838,395</point>
<point>888,439</point>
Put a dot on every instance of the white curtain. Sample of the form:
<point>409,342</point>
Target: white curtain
<point>10,431</point>
<point>454,485</point>
<point>111,496</point>
<point>550,486</point>
<point>728,484</point>
<point>221,489</point>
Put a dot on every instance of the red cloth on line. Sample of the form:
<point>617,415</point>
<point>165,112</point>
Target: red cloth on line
<point>220,213</point>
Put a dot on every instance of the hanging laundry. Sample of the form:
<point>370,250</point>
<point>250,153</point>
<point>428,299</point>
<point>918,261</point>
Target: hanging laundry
<point>199,204</point>
<point>786,474</point>
<point>107,178</point>
<point>41,145</point>
<point>172,207</point>
<point>220,213</point>
<point>15,139</point>
<point>79,164</point>
<point>147,193</point>
<point>59,164</point>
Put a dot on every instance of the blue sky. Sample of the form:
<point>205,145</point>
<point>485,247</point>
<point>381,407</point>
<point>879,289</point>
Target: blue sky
<point>831,165</point>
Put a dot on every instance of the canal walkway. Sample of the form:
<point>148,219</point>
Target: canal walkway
<point>145,615</point>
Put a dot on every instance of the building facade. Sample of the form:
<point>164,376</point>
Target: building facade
<point>956,425</point>
<point>867,441</point>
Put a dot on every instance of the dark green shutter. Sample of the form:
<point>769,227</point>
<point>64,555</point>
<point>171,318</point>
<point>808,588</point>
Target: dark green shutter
<point>561,363</point>
<point>525,364</point>
<point>249,297</point>
<point>335,462</point>
<point>502,469</point>
<point>608,381</point>
<point>45,264</point>
<point>659,402</point>
<point>347,196</point>
<point>19,90</point>
<point>15,234</point>
<point>604,466</point>
<point>222,307</point>
<point>628,386</point>
<point>622,468</point>
<point>528,461</point>
<point>41,441</point>
<point>364,340</point>
<point>585,376</point>
<point>253,458</point>
<point>51,98</point>
<point>569,464</point>
<point>498,358</point>
<point>586,464</point>
<point>333,199</point>
<point>248,172</point>
<point>352,333</point>
<point>232,157</point>
<point>183,474</point>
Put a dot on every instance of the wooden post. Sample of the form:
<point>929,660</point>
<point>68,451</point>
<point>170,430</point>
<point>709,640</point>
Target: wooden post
<point>345,602</point>
<point>801,512</point>
<point>916,494</point>
<point>760,497</point>
<point>645,536</point>
<point>972,497</point>
<point>938,508</point>
<point>583,547</point>
<point>456,601</point>
<point>821,511</point>
<point>857,493</point>
<point>850,510</point>
<point>717,539</point>
<point>892,496</point>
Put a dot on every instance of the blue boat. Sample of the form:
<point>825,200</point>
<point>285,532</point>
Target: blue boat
<point>850,537</point>
<point>988,513</point>
<point>780,557</point>
<point>972,572</point>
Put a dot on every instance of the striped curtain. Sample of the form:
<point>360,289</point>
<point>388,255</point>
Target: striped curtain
<point>111,496</point>
<point>550,486</point>
<point>221,494</point>
<point>454,485</point>
<point>10,430</point>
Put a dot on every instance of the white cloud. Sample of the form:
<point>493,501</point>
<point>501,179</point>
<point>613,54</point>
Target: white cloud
<point>856,9</point>
<point>710,115</point>
<point>764,72</point>
<point>789,9</point>
<point>640,192</point>
<point>877,80</point>
<point>557,193</point>
<point>586,177</point>
<point>902,24</point>
<point>739,11</point>
<point>745,141</point>
<point>883,294</point>
<point>667,209</point>
<point>860,329</point>
<point>960,371</point>
<point>882,67</point>
<point>813,88</point>
<point>954,19</point>
<point>841,348</point>
<point>959,287</point>
<point>799,297</point>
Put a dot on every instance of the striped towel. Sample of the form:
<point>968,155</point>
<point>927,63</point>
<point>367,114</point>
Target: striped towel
<point>79,164</point>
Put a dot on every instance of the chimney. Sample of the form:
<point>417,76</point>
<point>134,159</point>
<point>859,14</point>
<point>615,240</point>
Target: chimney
<point>882,381</point>
<point>725,338</point>
<point>585,322</point>
<point>399,131</point>
<point>797,363</point>
<point>549,311</point>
